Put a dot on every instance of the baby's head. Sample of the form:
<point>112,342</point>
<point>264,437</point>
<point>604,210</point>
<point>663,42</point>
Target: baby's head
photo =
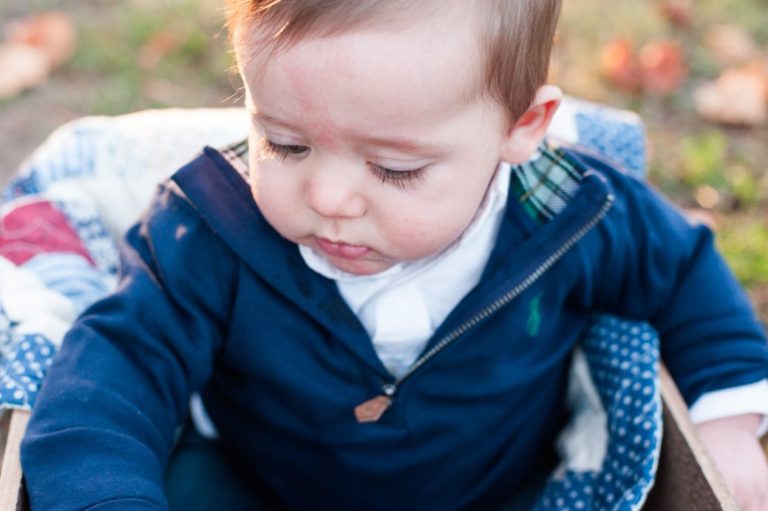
<point>514,37</point>
<point>378,124</point>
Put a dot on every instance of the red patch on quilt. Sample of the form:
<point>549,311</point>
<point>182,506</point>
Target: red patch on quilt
<point>36,228</point>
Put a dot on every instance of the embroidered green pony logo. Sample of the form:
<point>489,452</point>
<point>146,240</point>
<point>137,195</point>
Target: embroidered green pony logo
<point>534,316</point>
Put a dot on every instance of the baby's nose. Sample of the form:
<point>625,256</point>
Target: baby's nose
<point>332,195</point>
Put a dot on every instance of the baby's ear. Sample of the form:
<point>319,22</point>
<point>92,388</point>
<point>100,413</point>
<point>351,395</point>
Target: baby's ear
<point>525,135</point>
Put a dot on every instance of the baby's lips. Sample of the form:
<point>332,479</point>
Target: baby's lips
<point>341,249</point>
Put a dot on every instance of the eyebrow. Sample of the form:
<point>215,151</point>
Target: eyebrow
<point>401,143</point>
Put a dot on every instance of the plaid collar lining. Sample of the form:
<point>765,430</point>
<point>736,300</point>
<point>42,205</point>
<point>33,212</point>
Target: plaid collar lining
<point>543,186</point>
<point>237,155</point>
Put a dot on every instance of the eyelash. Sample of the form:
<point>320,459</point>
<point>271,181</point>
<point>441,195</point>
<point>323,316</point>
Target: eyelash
<point>399,178</point>
<point>282,151</point>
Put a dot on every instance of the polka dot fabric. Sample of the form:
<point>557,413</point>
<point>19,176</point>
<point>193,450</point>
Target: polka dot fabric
<point>25,362</point>
<point>623,360</point>
<point>5,332</point>
<point>618,138</point>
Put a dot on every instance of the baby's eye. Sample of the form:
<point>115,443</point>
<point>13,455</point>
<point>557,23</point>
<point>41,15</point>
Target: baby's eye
<point>283,151</point>
<point>399,178</point>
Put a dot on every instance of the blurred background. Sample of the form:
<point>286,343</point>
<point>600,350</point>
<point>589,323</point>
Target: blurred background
<point>697,73</point>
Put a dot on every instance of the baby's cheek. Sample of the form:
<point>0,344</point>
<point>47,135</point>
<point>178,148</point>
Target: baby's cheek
<point>275,203</point>
<point>427,236</point>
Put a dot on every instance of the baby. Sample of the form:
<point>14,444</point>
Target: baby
<point>351,292</point>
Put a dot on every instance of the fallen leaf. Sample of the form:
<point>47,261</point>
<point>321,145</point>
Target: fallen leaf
<point>660,67</point>
<point>731,45</point>
<point>663,67</point>
<point>53,33</point>
<point>737,97</point>
<point>677,12</point>
<point>619,66</point>
<point>21,67</point>
<point>707,197</point>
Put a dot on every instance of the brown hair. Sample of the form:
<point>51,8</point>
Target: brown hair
<point>516,39</point>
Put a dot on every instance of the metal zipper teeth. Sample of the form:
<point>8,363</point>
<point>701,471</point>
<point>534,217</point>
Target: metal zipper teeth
<point>389,389</point>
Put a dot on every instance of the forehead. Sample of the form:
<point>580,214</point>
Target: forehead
<point>392,71</point>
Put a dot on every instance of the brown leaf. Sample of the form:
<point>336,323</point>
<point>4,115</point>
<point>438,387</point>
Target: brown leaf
<point>731,45</point>
<point>707,197</point>
<point>619,65</point>
<point>738,97</point>
<point>21,67</point>
<point>677,12</point>
<point>53,33</point>
<point>663,67</point>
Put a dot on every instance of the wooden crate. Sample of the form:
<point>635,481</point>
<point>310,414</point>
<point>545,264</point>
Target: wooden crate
<point>12,494</point>
<point>687,478</point>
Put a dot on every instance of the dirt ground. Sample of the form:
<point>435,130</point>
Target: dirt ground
<point>26,122</point>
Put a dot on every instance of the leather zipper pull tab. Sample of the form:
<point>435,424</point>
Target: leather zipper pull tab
<point>373,409</point>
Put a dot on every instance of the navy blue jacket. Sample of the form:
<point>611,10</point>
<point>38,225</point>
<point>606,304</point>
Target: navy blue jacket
<point>212,299</point>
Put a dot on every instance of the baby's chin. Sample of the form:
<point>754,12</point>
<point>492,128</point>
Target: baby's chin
<point>362,267</point>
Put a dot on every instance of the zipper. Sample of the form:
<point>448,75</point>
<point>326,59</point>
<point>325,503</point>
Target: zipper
<point>373,409</point>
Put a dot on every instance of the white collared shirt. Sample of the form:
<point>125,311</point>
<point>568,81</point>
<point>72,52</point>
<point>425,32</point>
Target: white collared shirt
<point>397,306</point>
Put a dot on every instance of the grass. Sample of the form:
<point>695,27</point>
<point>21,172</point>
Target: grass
<point>152,55</point>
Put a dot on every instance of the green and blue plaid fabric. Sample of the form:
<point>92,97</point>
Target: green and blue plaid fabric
<point>544,185</point>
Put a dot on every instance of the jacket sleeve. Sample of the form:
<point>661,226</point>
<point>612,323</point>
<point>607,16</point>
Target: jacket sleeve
<point>659,267</point>
<point>104,422</point>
